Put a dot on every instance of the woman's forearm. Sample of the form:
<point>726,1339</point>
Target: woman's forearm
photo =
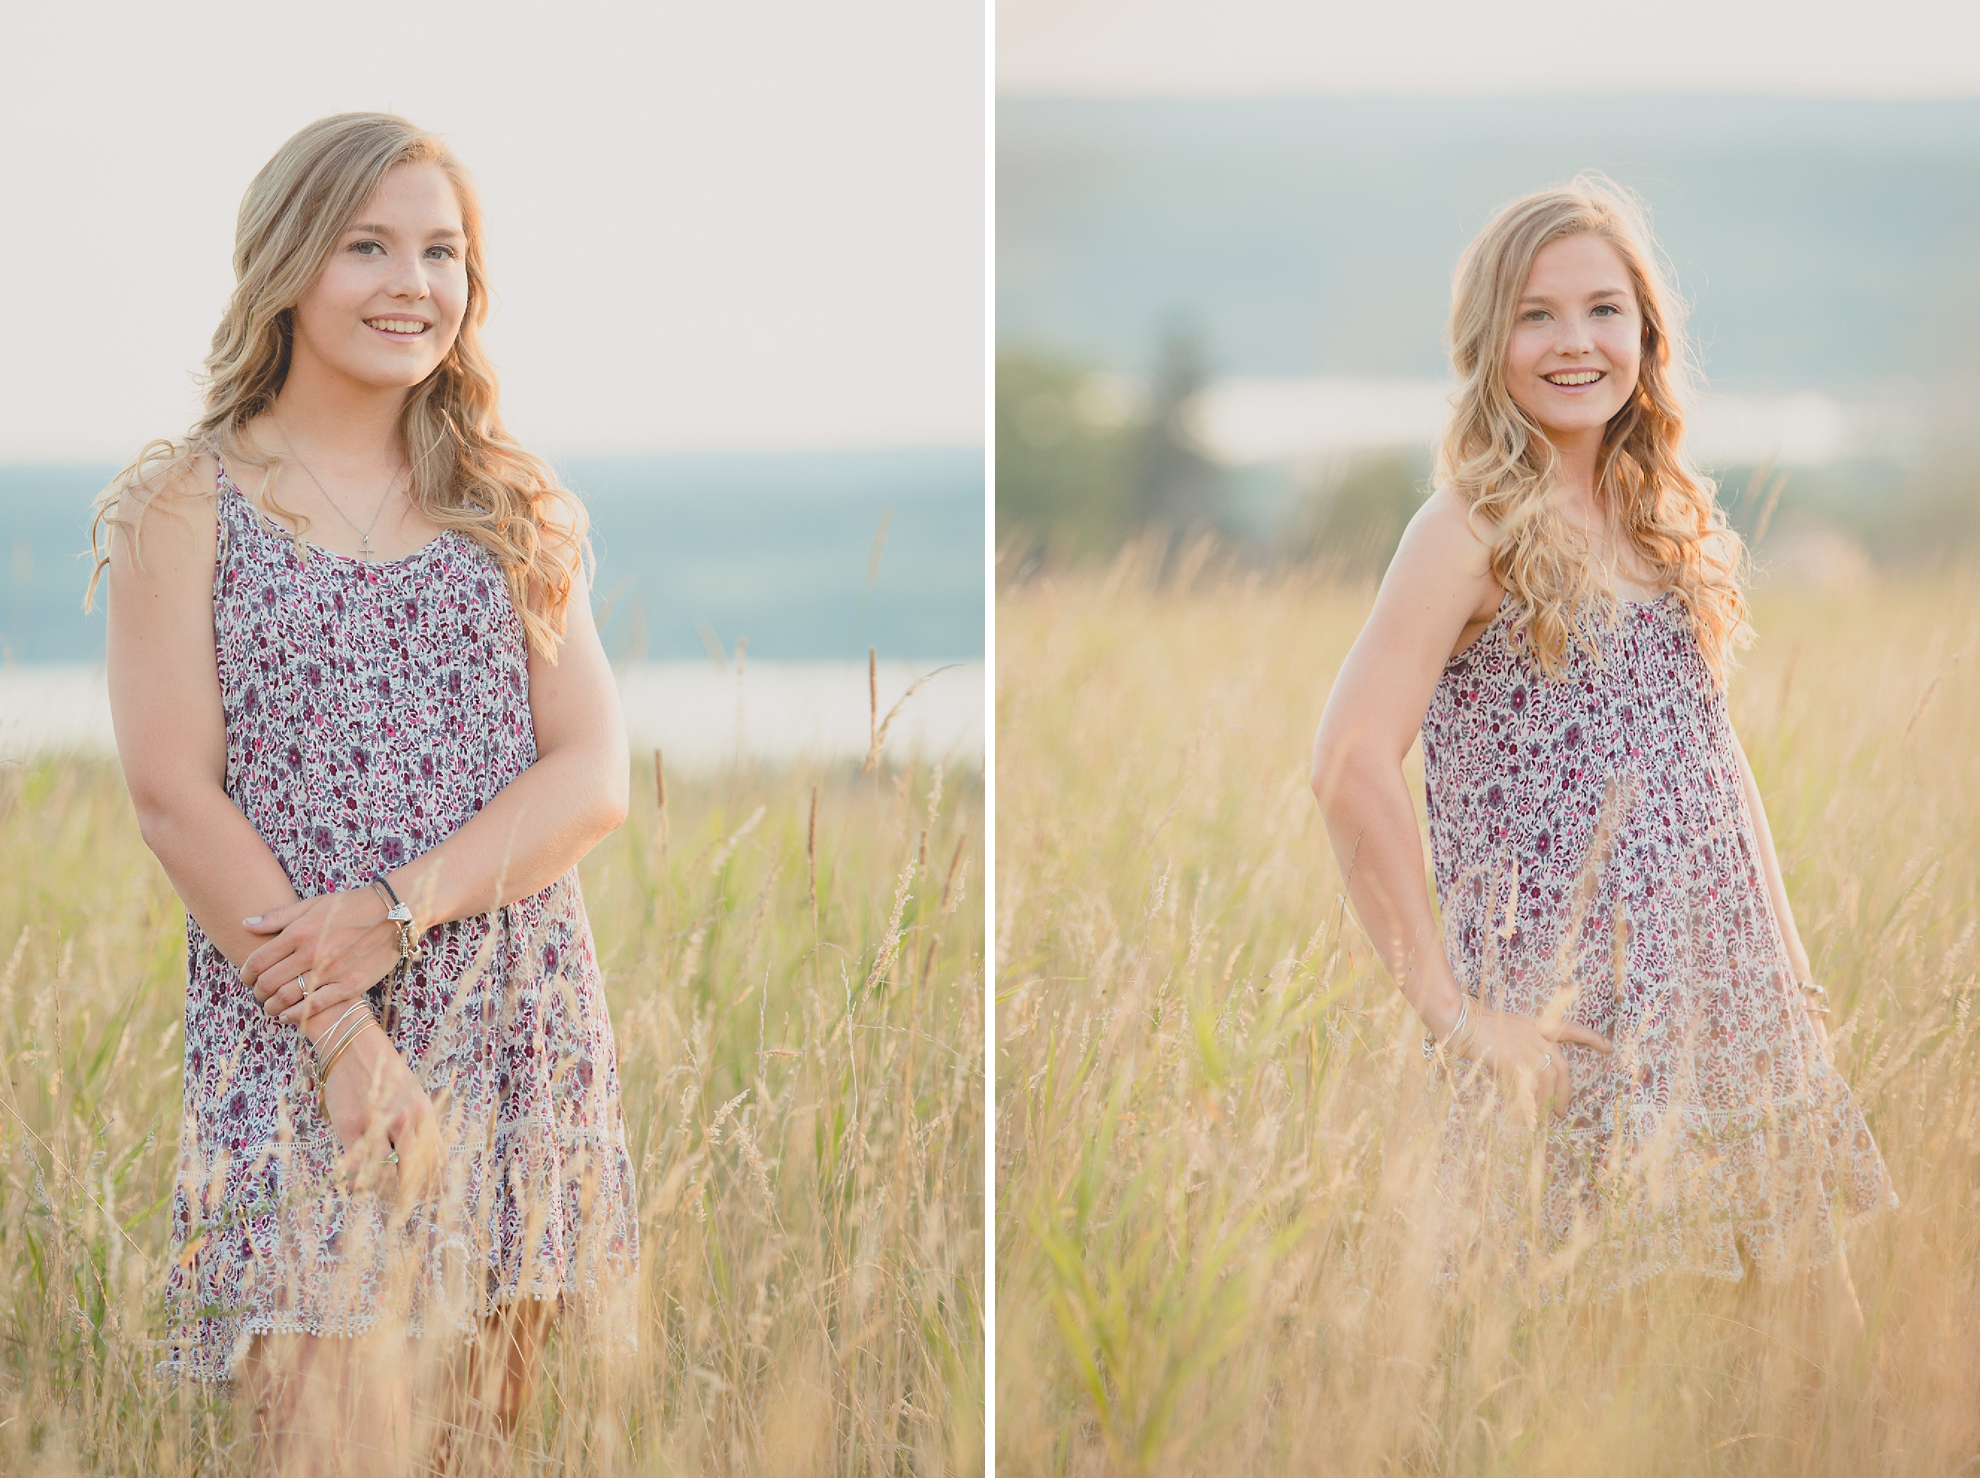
<point>217,861</point>
<point>530,834</point>
<point>221,869</point>
<point>1372,826</point>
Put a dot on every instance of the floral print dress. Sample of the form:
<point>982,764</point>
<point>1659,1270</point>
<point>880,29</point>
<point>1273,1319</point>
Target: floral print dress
<point>1592,845</point>
<point>372,707</point>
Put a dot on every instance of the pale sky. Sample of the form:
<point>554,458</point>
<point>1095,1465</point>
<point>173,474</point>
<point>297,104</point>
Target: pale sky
<point>1236,48</point>
<point>752,224</point>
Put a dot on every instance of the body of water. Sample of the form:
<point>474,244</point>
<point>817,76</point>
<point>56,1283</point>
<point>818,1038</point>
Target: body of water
<point>795,564</point>
<point>703,716</point>
<point>694,552</point>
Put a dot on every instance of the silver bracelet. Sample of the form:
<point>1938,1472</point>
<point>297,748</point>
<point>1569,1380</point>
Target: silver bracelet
<point>1817,999</point>
<point>326,1047</point>
<point>328,1060</point>
<point>1431,1046</point>
<point>356,1026</point>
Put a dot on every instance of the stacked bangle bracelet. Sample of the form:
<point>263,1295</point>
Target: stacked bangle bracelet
<point>1456,1040</point>
<point>1816,999</point>
<point>342,1033</point>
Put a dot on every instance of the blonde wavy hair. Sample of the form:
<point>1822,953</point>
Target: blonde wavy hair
<point>467,474</point>
<point>1496,457</point>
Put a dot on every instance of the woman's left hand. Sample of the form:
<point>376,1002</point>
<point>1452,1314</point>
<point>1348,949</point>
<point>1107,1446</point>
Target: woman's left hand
<point>341,942</point>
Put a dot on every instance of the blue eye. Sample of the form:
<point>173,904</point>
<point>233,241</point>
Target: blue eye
<point>360,247</point>
<point>1608,309</point>
<point>446,252</point>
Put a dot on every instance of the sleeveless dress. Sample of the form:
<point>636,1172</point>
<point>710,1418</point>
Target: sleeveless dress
<point>371,709</point>
<point>1591,841</point>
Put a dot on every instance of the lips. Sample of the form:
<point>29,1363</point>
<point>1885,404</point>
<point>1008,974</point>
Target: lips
<point>408,327</point>
<point>1574,379</point>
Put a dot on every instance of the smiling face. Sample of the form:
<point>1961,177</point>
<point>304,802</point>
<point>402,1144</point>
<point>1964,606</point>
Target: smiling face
<point>390,300</point>
<point>1577,339</point>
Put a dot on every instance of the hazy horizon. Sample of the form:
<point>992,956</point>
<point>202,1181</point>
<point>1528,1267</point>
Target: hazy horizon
<point>1822,244</point>
<point>775,547</point>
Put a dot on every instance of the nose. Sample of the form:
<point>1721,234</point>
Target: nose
<point>1574,337</point>
<point>408,278</point>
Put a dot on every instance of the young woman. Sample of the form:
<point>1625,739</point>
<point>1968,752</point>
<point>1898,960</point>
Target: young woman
<point>369,731</point>
<point>1616,945</point>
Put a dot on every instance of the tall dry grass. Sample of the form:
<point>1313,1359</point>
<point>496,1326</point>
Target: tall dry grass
<point>797,995</point>
<point>1215,1214</point>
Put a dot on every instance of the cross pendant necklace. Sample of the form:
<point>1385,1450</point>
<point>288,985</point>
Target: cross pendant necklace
<point>365,551</point>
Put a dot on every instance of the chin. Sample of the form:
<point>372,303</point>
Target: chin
<point>394,376</point>
<point>1592,418</point>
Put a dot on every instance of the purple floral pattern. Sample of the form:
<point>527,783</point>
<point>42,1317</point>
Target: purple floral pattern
<point>371,709</point>
<point>1592,844</point>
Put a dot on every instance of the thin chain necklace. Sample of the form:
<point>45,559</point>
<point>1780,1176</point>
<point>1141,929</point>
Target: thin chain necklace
<point>365,551</point>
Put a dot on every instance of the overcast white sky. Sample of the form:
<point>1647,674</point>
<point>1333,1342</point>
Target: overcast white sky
<point>1234,48</point>
<point>751,224</point>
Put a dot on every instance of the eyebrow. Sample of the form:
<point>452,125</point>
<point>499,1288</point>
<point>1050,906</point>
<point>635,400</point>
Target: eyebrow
<point>378,230</point>
<point>1606,292</point>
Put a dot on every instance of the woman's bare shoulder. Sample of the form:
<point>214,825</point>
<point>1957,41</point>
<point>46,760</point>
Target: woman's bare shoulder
<point>1444,552</point>
<point>188,479</point>
<point>165,511</point>
<point>1443,527</point>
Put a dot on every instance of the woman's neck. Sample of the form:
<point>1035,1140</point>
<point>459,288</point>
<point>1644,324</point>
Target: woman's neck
<point>1622,564</point>
<point>337,420</point>
<point>1575,467</point>
<point>1577,460</point>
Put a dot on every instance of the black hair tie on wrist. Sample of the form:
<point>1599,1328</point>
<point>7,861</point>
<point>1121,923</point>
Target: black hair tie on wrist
<point>400,915</point>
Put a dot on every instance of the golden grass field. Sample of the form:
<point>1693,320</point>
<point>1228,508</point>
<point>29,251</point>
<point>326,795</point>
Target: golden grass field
<point>1215,1132</point>
<point>805,1111</point>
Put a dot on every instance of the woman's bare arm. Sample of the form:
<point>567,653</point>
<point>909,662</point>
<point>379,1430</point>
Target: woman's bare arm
<point>1437,582</point>
<point>165,707</point>
<point>1438,586</point>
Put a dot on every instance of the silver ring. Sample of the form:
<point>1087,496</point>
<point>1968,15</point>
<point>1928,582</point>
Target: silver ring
<point>1546,1061</point>
<point>302,984</point>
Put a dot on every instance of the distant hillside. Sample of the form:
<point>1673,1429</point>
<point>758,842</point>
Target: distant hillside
<point>774,548</point>
<point>1825,245</point>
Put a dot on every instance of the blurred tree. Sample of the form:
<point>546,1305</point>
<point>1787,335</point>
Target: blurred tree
<point>1352,520</point>
<point>1175,485</point>
<point>1063,443</point>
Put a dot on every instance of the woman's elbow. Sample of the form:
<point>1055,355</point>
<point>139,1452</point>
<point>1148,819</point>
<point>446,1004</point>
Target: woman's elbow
<point>1340,762</point>
<point>157,815</point>
<point>1330,761</point>
<point>611,816</point>
<point>593,784</point>
<point>154,820</point>
<point>614,800</point>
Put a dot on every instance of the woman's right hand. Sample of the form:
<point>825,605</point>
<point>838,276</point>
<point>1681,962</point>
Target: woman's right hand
<point>375,1104</point>
<point>1520,1050</point>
